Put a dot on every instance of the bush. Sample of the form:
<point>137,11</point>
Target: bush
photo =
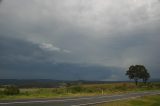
<point>157,85</point>
<point>76,89</point>
<point>11,90</point>
<point>120,87</point>
<point>1,92</point>
<point>59,90</point>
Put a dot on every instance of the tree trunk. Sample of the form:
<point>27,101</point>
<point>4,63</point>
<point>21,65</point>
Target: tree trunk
<point>136,81</point>
<point>144,81</point>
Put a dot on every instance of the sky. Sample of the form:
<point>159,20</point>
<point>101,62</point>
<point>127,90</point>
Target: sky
<point>78,39</point>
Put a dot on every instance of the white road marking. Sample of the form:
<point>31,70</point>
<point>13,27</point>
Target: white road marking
<point>44,101</point>
<point>65,100</point>
<point>104,101</point>
<point>113,100</point>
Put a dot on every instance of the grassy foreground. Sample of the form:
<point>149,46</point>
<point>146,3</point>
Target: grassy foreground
<point>142,101</point>
<point>79,90</point>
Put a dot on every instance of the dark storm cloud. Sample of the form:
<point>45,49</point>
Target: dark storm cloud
<point>23,59</point>
<point>106,33</point>
<point>18,50</point>
<point>59,71</point>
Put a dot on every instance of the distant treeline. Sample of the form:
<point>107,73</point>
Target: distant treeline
<point>49,83</point>
<point>46,83</point>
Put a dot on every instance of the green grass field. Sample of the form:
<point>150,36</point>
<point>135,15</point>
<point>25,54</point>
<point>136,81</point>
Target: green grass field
<point>142,101</point>
<point>79,90</point>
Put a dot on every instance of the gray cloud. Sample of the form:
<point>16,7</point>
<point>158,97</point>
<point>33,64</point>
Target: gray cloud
<point>19,50</point>
<point>102,33</point>
<point>24,59</point>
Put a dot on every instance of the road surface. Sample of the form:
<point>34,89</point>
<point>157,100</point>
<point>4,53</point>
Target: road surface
<point>79,101</point>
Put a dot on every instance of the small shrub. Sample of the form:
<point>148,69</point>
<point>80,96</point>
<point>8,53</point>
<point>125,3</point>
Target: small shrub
<point>59,90</point>
<point>11,90</point>
<point>131,86</point>
<point>120,87</point>
<point>89,90</point>
<point>1,92</point>
<point>76,89</point>
<point>157,85</point>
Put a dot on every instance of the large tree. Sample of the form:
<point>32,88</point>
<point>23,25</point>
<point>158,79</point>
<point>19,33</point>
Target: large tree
<point>138,72</point>
<point>145,76</point>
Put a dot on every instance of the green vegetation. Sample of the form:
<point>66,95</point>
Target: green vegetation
<point>142,101</point>
<point>11,90</point>
<point>79,90</point>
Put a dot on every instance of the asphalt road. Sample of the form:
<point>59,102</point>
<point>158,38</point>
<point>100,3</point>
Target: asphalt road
<point>81,101</point>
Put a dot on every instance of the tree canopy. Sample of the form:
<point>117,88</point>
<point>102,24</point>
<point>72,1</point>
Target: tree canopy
<point>138,72</point>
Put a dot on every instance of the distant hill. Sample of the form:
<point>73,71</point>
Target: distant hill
<point>30,82</point>
<point>155,80</point>
<point>46,83</point>
<point>50,83</point>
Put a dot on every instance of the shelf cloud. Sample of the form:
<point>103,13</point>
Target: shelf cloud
<point>110,35</point>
